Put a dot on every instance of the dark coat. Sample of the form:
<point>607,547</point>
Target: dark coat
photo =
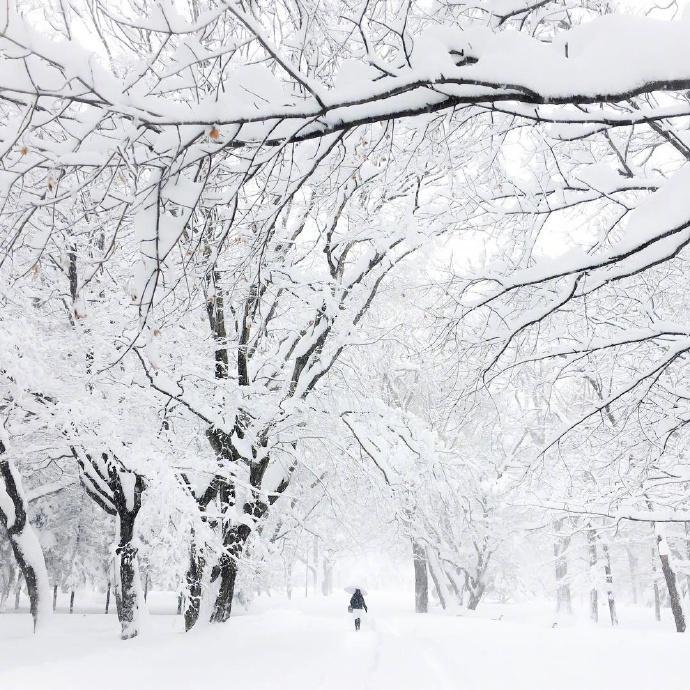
<point>357,601</point>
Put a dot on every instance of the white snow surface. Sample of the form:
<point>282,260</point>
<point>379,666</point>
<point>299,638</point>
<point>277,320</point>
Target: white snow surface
<point>311,645</point>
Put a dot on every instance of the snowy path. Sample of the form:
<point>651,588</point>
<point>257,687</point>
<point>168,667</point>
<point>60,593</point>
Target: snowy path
<point>313,647</point>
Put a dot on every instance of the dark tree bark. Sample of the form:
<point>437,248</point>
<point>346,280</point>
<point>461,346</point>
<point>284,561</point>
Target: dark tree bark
<point>71,602</point>
<point>421,580</point>
<point>127,491</point>
<point>25,545</point>
<point>226,570</point>
<point>55,590</point>
<point>194,584</point>
<point>235,536</point>
<point>118,491</point>
<point>670,578</point>
<point>116,592</point>
<point>218,488</point>
<point>107,598</point>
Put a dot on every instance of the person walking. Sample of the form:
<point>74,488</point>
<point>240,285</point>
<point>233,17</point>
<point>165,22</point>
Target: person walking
<point>357,607</point>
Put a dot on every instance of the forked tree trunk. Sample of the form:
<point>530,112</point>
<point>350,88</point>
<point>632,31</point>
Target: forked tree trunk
<point>25,545</point>
<point>437,578</point>
<point>127,490</point>
<point>118,492</point>
<point>670,578</point>
<point>421,580</point>
<point>235,536</point>
<point>457,581</point>
<point>226,571</point>
<point>476,593</point>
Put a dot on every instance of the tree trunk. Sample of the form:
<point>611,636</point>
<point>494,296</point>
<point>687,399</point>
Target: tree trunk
<point>123,501</point>
<point>25,545</point>
<point>306,574</point>
<point>560,548</point>
<point>315,572</point>
<point>670,578</point>
<point>687,555</point>
<point>107,598</point>
<point>327,580</point>
<point>288,580</point>
<point>194,577</point>
<point>657,602</point>
<point>7,585</point>
<point>127,493</point>
<point>55,590</point>
<point>632,564</point>
<point>235,537</point>
<point>436,576</point>
<point>657,594</point>
<point>421,580</point>
<point>476,594</point>
<point>457,582</point>
<point>71,602</point>
<point>226,570</point>
<point>127,572</point>
<point>475,598</point>
<point>116,589</point>
<point>610,596</point>
<point>593,592</point>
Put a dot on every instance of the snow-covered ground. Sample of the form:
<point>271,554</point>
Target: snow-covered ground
<point>310,645</point>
